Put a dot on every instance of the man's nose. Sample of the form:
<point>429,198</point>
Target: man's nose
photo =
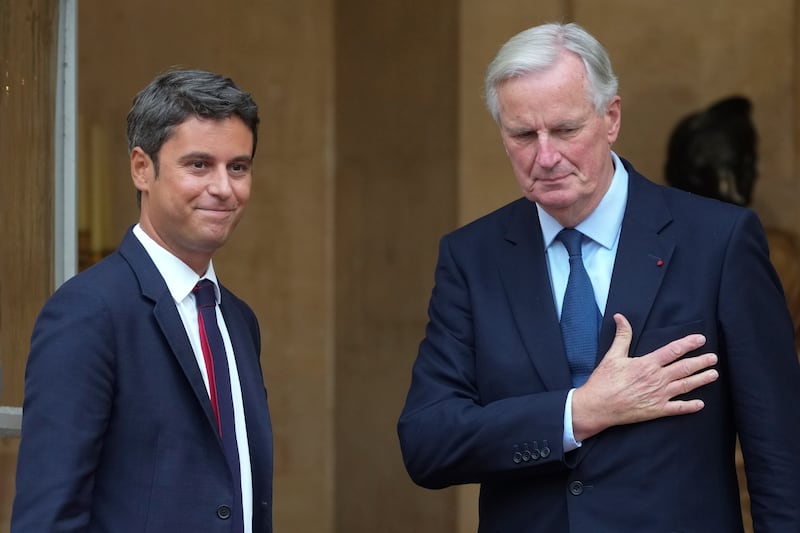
<point>547,154</point>
<point>220,182</point>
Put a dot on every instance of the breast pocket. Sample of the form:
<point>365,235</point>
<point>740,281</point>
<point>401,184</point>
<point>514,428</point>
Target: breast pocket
<point>652,339</point>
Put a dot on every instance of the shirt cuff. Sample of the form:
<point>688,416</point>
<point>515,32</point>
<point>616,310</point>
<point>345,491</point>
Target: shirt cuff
<point>569,436</point>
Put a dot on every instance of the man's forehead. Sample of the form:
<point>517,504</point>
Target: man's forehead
<point>541,115</point>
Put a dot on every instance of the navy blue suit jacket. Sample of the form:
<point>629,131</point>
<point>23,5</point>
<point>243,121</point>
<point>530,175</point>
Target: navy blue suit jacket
<point>118,434</point>
<point>491,377</point>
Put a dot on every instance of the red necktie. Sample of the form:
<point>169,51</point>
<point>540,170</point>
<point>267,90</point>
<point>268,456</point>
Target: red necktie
<point>219,383</point>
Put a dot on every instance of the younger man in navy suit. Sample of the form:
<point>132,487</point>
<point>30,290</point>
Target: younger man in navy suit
<point>121,426</point>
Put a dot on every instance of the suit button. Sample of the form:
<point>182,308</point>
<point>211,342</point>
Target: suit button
<point>576,488</point>
<point>223,512</point>
<point>545,450</point>
<point>517,457</point>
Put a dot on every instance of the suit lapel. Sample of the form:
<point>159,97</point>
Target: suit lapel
<point>643,259</point>
<point>172,327</point>
<point>246,349</point>
<point>525,276</point>
<point>246,355</point>
<point>166,315</point>
<point>635,281</point>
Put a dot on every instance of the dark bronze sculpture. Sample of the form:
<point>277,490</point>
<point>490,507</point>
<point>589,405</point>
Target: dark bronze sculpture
<point>713,152</point>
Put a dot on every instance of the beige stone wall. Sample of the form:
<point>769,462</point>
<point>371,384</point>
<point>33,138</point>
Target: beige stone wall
<point>374,142</point>
<point>27,89</point>
<point>396,183</point>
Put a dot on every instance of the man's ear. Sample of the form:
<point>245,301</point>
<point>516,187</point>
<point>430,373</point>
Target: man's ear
<point>142,169</point>
<point>613,119</point>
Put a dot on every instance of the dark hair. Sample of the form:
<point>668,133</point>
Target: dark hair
<point>178,94</point>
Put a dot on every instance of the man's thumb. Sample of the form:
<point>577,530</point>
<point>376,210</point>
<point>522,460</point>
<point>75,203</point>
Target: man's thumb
<point>622,337</point>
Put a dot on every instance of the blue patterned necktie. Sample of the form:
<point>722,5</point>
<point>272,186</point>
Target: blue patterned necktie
<point>220,385</point>
<point>580,316</point>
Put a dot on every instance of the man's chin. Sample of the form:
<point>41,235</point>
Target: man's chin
<point>554,199</point>
<point>213,240</point>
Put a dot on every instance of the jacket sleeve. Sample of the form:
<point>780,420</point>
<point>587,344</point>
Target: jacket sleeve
<point>765,377</point>
<point>449,433</point>
<point>68,391</point>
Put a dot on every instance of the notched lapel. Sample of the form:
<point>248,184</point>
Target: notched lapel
<point>247,365</point>
<point>638,273</point>
<point>172,328</point>
<point>166,314</point>
<point>643,260</point>
<point>254,398</point>
<point>526,279</point>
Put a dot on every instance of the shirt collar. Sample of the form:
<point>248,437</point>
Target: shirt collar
<point>180,279</point>
<point>604,223</point>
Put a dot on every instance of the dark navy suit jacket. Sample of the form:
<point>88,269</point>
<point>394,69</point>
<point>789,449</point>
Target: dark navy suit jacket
<point>491,377</point>
<point>118,433</point>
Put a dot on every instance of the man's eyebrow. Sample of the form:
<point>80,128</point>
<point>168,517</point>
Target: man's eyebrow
<point>515,130</point>
<point>195,155</point>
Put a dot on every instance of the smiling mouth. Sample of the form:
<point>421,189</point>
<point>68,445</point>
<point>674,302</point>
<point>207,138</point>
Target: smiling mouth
<point>217,209</point>
<point>218,213</point>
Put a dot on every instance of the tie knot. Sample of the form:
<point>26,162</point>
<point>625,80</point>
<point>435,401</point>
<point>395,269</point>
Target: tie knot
<point>572,240</point>
<point>204,294</point>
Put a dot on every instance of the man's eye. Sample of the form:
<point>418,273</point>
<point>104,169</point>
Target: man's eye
<point>198,164</point>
